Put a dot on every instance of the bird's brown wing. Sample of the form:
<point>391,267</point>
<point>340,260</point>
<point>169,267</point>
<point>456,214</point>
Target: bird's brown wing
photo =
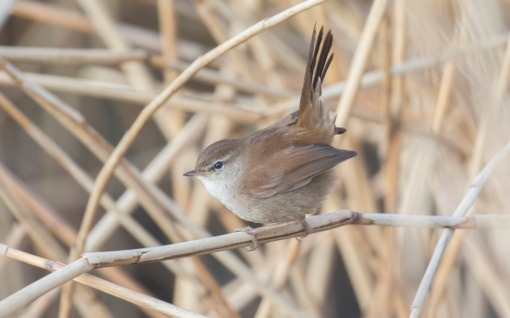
<point>292,168</point>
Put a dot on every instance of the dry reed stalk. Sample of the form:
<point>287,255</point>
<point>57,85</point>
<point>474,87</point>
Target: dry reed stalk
<point>106,226</point>
<point>396,91</point>
<point>168,29</point>
<point>42,238</point>
<point>175,118</point>
<point>79,268</point>
<point>139,76</point>
<point>220,34</point>
<point>321,258</point>
<point>303,294</point>
<point>75,20</point>
<point>65,160</point>
<point>486,274</point>
<point>128,94</point>
<point>408,67</point>
<point>279,276</point>
<point>40,305</point>
<point>90,261</point>
<point>360,58</point>
<point>61,229</point>
<point>496,103</point>
<point>346,241</point>
<point>14,238</point>
<point>74,123</point>
<point>37,92</point>
<point>211,76</point>
<point>462,209</point>
<point>71,56</point>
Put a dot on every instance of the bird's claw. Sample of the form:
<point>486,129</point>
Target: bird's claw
<point>254,233</point>
<point>307,228</point>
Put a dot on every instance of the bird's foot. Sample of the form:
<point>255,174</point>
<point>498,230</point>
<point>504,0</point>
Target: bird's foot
<point>254,233</point>
<point>307,228</point>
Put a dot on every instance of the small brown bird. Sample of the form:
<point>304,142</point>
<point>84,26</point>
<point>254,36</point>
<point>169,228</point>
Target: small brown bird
<point>280,173</point>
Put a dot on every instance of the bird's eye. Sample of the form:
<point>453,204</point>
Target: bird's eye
<point>218,165</point>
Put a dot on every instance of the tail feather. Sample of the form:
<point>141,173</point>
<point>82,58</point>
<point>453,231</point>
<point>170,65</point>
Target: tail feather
<point>311,112</point>
<point>324,61</point>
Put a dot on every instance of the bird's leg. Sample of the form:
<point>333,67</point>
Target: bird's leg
<point>307,227</point>
<point>256,231</point>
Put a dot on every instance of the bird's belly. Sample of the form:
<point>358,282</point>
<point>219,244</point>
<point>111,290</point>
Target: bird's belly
<point>282,207</point>
<point>242,204</point>
<point>292,205</point>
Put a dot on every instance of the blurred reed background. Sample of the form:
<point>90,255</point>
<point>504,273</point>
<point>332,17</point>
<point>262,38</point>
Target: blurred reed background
<point>431,110</point>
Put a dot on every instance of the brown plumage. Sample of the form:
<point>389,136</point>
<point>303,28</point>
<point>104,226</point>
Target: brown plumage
<point>282,172</point>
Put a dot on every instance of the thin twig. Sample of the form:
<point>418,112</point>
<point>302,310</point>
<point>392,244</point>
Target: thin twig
<point>318,223</point>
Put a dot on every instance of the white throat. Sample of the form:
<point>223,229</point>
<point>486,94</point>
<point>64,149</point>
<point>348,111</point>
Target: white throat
<point>224,185</point>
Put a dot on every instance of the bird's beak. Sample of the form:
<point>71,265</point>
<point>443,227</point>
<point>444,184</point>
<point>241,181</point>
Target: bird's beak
<point>197,173</point>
